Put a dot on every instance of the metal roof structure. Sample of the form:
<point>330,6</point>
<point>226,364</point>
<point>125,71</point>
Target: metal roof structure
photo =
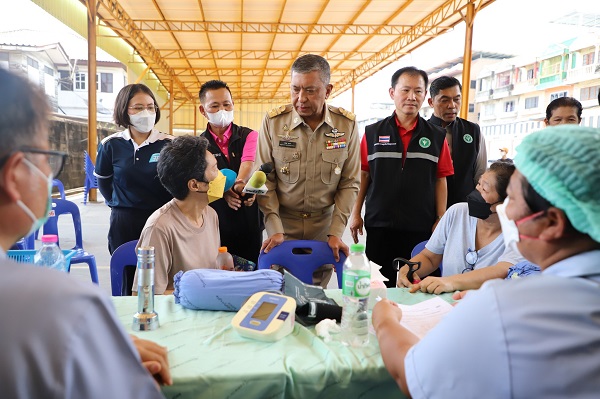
<point>251,44</point>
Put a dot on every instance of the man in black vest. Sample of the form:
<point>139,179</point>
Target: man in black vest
<point>234,147</point>
<point>404,164</point>
<point>466,143</point>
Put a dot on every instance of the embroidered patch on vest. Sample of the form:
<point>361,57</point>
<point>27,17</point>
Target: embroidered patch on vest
<point>424,142</point>
<point>468,138</point>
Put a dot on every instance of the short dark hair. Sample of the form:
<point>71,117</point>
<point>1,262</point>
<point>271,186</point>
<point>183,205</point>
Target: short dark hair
<point>24,112</point>
<point>312,62</point>
<point>564,102</point>
<point>120,114</point>
<point>412,71</point>
<point>503,171</point>
<point>212,85</point>
<point>443,83</point>
<point>181,160</point>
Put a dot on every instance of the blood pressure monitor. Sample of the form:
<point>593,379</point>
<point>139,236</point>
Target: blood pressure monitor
<point>265,317</point>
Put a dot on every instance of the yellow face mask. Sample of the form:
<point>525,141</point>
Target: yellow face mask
<point>216,188</point>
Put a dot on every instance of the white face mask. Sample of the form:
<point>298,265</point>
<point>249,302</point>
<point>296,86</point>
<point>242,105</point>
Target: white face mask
<point>220,118</point>
<point>510,231</point>
<point>37,222</point>
<point>143,121</point>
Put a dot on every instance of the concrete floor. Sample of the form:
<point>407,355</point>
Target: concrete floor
<point>95,220</point>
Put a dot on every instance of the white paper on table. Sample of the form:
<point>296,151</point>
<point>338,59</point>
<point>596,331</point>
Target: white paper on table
<point>423,316</point>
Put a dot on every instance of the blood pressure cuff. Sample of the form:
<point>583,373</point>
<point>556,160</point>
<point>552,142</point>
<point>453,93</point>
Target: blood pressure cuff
<point>212,289</point>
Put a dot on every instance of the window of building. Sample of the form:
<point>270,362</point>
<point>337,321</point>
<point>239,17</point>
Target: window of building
<point>530,74</point>
<point>66,83</point>
<point>106,82</point>
<point>80,81</point>
<point>559,94</point>
<point>49,71</point>
<point>471,107</point>
<point>503,80</point>
<point>589,93</point>
<point>509,106</point>
<point>473,84</point>
<point>531,102</point>
<point>33,63</point>
<point>588,59</point>
<point>3,56</point>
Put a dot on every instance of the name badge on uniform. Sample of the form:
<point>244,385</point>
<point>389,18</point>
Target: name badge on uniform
<point>154,157</point>
<point>287,144</point>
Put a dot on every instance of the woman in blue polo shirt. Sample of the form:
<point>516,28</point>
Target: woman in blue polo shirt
<point>126,165</point>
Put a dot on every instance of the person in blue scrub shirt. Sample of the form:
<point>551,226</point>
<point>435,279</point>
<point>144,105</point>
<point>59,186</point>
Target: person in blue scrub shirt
<point>126,165</point>
<point>535,337</point>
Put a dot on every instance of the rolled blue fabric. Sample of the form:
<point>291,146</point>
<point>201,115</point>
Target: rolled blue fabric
<point>213,289</point>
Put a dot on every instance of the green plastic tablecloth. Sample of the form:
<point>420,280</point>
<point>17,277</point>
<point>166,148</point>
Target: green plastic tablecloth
<point>209,359</point>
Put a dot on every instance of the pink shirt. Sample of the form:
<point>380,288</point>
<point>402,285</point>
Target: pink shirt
<point>249,151</point>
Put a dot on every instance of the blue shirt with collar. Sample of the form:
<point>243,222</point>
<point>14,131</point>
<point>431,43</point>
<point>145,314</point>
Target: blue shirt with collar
<point>537,337</point>
<point>132,171</point>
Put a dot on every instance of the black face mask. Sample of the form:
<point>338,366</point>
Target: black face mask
<point>478,208</point>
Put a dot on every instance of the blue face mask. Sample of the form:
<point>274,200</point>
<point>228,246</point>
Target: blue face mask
<point>37,222</point>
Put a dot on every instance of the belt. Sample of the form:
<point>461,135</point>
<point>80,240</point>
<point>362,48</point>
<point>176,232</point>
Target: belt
<point>305,215</point>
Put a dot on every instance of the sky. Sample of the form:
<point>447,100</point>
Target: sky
<point>516,27</point>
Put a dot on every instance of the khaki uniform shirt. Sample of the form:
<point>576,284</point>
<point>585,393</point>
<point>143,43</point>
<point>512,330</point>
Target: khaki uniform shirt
<point>315,173</point>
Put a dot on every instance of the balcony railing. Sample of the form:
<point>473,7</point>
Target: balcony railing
<point>584,73</point>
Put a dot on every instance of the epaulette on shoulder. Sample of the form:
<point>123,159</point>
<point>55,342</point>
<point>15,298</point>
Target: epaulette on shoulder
<point>283,109</point>
<point>342,111</point>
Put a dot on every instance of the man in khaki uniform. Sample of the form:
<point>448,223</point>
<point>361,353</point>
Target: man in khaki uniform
<point>315,151</point>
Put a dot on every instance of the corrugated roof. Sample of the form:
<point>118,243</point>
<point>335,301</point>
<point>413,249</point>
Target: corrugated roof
<point>252,44</point>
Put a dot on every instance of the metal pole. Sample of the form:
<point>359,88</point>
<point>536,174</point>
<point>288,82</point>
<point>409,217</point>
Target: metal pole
<point>92,108</point>
<point>467,56</point>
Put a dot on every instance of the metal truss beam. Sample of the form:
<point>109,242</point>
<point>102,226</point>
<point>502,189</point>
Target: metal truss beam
<point>142,44</point>
<point>398,47</point>
<point>180,55</point>
<point>280,28</point>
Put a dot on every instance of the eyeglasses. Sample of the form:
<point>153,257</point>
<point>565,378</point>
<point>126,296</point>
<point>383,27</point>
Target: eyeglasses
<point>139,108</point>
<point>56,159</point>
<point>471,257</point>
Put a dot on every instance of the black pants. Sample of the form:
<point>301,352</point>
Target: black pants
<point>383,245</point>
<point>126,224</point>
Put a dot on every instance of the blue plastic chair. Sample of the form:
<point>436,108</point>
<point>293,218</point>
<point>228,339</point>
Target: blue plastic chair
<point>61,188</point>
<point>418,248</point>
<point>121,262</point>
<point>61,207</point>
<point>90,180</point>
<point>25,242</point>
<point>302,258</point>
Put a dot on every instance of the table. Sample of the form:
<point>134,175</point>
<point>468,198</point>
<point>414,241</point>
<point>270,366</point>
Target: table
<point>209,359</point>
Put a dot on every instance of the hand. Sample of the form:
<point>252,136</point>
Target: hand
<point>154,359</point>
<point>356,226</point>
<point>433,285</point>
<point>402,280</point>
<point>272,242</point>
<point>457,296</point>
<point>233,199</point>
<point>385,310</point>
<point>337,245</point>
<point>250,200</point>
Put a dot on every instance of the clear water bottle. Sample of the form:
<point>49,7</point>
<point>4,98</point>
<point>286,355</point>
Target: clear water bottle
<point>146,318</point>
<point>50,255</point>
<point>224,259</point>
<point>356,286</point>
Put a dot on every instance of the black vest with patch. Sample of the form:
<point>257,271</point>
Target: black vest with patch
<point>466,138</point>
<point>402,197</point>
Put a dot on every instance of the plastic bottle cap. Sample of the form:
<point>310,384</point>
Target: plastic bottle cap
<point>357,248</point>
<point>222,249</point>
<point>49,238</point>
